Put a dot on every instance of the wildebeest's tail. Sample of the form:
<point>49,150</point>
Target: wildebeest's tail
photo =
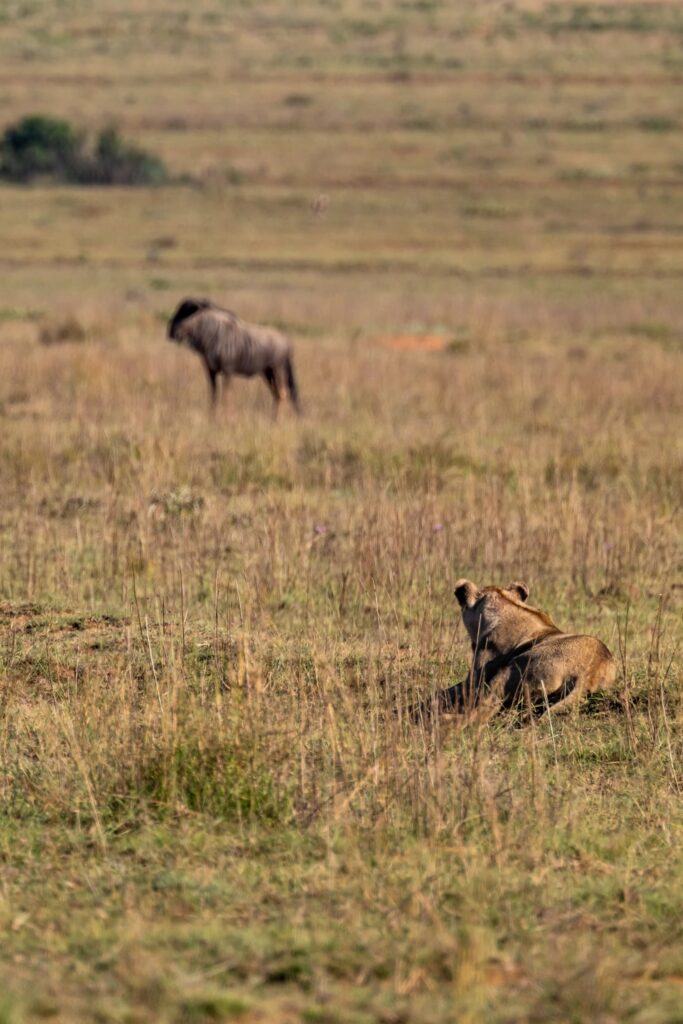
<point>291,383</point>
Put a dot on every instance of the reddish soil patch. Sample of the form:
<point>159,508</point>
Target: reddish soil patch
<point>413,342</point>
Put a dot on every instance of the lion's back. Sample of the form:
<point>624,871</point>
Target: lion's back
<point>577,659</point>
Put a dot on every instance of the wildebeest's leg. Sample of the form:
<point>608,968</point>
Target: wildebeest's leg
<point>272,382</point>
<point>291,383</point>
<point>213,387</point>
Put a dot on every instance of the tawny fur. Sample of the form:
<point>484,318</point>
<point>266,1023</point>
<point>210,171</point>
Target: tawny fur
<point>520,658</point>
<point>230,346</point>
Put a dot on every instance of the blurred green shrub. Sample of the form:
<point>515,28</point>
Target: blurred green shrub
<point>40,146</point>
<point>47,147</point>
<point>116,162</point>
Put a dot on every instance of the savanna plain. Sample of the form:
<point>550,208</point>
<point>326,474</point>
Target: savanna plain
<point>213,805</point>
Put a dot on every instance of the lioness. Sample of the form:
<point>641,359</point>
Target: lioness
<point>520,657</point>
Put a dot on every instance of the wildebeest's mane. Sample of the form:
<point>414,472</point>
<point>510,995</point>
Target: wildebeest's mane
<point>188,308</point>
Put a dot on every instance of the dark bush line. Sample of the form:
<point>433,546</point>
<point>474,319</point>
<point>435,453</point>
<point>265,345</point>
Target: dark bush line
<point>45,147</point>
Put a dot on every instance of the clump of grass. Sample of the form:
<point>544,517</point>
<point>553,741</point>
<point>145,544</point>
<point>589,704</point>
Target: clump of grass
<point>11,314</point>
<point>213,1005</point>
<point>62,330</point>
<point>160,284</point>
<point>209,778</point>
<point>176,503</point>
<point>298,99</point>
<point>658,123</point>
<point>459,344</point>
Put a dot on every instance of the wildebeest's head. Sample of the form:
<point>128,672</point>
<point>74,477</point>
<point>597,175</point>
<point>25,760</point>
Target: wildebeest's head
<point>186,309</point>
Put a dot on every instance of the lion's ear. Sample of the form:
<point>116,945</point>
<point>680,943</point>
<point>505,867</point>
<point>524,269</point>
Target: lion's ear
<point>466,593</point>
<point>520,589</point>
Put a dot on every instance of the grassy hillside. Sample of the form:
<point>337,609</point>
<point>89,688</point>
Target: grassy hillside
<point>470,219</point>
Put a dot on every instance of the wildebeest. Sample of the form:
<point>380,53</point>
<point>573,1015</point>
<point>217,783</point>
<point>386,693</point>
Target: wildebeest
<point>230,346</point>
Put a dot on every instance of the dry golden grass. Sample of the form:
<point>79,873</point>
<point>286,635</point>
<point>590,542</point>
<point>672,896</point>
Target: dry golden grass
<point>213,805</point>
<point>207,630</point>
